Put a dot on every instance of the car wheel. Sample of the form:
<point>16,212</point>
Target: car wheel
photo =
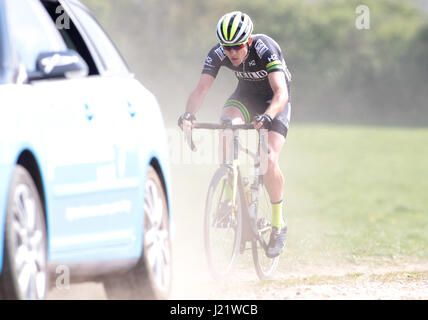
<point>24,272</point>
<point>152,277</point>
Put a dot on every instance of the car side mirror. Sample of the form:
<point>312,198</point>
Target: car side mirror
<point>62,64</point>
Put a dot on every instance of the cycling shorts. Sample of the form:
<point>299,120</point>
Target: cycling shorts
<point>254,104</point>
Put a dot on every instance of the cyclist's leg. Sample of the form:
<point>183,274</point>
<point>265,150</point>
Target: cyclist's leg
<point>273,178</point>
<point>234,109</point>
<point>234,114</point>
<point>274,181</point>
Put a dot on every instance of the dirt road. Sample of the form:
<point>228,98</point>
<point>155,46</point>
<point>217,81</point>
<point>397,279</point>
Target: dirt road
<point>380,278</point>
<point>368,281</point>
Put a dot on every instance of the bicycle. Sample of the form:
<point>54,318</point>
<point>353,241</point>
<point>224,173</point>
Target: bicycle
<point>246,217</point>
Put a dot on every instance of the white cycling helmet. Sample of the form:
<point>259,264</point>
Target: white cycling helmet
<point>234,28</point>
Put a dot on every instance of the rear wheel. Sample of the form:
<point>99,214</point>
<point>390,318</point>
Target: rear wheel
<point>152,277</point>
<point>24,272</point>
<point>222,224</point>
<point>264,265</point>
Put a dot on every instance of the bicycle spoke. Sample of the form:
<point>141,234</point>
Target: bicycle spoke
<point>222,227</point>
<point>223,222</point>
<point>264,265</point>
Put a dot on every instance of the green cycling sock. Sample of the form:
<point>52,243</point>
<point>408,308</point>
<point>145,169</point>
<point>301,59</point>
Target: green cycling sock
<point>277,219</point>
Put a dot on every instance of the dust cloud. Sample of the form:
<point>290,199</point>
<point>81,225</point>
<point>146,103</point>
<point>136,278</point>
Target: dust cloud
<point>169,63</point>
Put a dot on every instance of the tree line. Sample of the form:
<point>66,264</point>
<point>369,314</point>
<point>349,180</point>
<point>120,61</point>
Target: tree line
<point>341,73</point>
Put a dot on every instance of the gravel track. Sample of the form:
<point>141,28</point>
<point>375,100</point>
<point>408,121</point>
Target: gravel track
<point>367,281</point>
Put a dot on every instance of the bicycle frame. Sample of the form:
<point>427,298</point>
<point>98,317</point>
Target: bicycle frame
<point>238,186</point>
<point>253,224</point>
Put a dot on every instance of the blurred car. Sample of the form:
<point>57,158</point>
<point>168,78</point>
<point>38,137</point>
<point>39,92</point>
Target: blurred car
<point>84,169</point>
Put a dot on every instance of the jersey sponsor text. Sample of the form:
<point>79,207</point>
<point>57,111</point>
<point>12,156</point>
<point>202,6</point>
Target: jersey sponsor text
<point>257,75</point>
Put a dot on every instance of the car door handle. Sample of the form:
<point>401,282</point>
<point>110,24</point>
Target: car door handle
<point>131,110</point>
<point>88,112</point>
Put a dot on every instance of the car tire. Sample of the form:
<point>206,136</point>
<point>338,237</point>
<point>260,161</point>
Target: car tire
<point>24,272</point>
<point>152,276</point>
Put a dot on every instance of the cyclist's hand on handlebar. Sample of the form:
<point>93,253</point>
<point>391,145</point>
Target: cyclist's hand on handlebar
<point>187,119</point>
<point>262,121</point>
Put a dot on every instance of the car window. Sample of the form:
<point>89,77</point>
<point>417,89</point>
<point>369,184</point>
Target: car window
<point>70,33</point>
<point>32,31</point>
<point>113,62</point>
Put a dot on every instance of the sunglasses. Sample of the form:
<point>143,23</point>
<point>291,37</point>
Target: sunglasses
<point>234,47</point>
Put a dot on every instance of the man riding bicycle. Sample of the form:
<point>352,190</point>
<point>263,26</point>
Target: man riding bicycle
<point>262,94</point>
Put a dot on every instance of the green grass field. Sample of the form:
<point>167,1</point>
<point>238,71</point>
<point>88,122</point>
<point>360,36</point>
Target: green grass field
<point>352,193</point>
<point>356,192</point>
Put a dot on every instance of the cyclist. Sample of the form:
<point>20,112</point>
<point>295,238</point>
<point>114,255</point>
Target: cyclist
<point>262,94</point>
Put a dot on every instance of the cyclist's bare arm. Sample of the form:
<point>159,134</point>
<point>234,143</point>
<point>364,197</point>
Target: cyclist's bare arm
<point>197,96</point>
<point>280,97</point>
<point>195,101</point>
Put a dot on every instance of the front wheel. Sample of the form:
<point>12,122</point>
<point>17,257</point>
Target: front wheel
<point>223,224</point>
<point>264,265</point>
<point>24,271</point>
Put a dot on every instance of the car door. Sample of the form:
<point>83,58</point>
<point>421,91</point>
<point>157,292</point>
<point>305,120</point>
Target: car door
<point>82,174</point>
<point>121,192</point>
<point>78,163</point>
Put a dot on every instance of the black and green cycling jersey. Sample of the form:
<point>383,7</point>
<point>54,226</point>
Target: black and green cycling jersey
<point>254,94</point>
<point>265,56</point>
